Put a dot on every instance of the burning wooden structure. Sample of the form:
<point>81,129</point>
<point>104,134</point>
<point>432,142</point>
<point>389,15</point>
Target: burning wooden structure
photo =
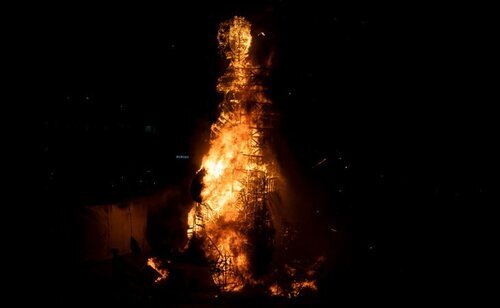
<point>239,171</point>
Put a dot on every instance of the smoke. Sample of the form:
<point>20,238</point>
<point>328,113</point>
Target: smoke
<point>167,220</point>
<point>297,206</point>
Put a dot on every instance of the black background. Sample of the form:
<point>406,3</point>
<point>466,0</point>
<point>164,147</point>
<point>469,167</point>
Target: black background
<point>391,96</point>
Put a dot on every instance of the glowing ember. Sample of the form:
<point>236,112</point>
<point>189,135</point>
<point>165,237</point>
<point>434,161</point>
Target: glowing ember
<point>300,286</point>
<point>157,266</point>
<point>296,289</point>
<point>276,290</point>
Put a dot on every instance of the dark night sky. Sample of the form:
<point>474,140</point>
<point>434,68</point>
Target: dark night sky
<point>384,95</point>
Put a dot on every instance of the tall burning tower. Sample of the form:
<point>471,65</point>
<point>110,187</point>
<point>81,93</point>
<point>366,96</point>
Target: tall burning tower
<point>239,171</point>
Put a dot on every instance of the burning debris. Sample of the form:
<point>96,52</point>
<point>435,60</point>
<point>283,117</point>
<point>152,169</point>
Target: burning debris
<point>157,265</point>
<point>296,289</point>
<point>295,280</point>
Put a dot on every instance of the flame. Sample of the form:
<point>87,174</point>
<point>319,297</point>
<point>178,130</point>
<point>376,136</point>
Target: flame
<point>191,224</point>
<point>235,155</point>
<point>157,266</point>
<point>239,172</point>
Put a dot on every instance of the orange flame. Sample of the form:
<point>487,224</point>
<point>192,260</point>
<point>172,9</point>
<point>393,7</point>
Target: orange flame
<point>238,172</point>
<point>156,265</point>
<point>229,160</point>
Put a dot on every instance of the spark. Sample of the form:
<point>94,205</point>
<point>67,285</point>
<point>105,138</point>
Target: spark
<point>320,162</point>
